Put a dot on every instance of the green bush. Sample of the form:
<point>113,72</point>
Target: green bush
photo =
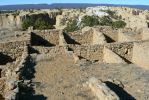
<point>105,21</point>
<point>27,23</point>
<point>42,24</point>
<point>94,21</point>
<point>111,13</point>
<point>118,24</point>
<point>90,21</point>
<point>38,23</point>
<point>71,26</point>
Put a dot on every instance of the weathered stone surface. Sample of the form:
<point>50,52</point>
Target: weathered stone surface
<point>98,37</point>
<point>145,34</point>
<point>101,90</point>
<point>61,21</point>
<point>125,37</point>
<point>111,57</point>
<point>2,85</point>
<point>141,54</point>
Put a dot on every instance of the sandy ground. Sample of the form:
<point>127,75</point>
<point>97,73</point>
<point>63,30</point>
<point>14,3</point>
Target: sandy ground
<point>58,78</point>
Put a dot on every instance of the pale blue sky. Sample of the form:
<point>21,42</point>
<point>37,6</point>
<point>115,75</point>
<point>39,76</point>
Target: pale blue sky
<point>132,2</point>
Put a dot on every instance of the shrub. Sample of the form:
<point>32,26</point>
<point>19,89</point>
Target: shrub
<point>106,21</point>
<point>118,24</point>
<point>38,23</point>
<point>90,21</point>
<point>27,23</point>
<point>71,26</point>
<point>111,13</point>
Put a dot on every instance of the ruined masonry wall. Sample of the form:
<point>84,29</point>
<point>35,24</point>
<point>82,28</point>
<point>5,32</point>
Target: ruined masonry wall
<point>51,36</point>
<point>51,50</point>
<point>13,49</point>
<point>83,38</point>
<point>95,52</point>
<point>123,49</point>
<point>92,52</point>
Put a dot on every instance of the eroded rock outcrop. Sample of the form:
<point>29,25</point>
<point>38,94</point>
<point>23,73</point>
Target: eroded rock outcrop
<point>101,90</point>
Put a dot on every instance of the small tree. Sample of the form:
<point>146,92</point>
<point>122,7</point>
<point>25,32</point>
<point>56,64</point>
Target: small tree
<point>106,21</point>
<point>90,21</point>
<point>27,23</point>
<point>71,26</point>
<point>118,24</point>
<point>40,23</point>
<point>111,13</point>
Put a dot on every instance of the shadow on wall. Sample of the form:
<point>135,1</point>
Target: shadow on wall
<point>26,90</point>
<point>0,74</point>
<point>32,50</point>
<point>1,97</point>
<point>69,40</point>
<point>37,40</point>
<point>28,93</point>
<point>123,95</point>
<point>109,40</point>
<point>148,25</point>
<point>4,59</point>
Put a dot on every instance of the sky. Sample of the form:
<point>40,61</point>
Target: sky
<point>130,2</point>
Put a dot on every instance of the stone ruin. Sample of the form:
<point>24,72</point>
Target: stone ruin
<point>96,44</point>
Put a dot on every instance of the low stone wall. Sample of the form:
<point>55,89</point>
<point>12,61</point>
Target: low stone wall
<point>82,38</point>
<point>125,50</point>
<point>92,52</point>
<point>50,50</point>
<point>45,37</point>
<point>95,52</point>
<point>13,49</point>
<point>110,33</point>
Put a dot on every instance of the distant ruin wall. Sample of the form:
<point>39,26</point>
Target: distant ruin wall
<point>10,21</point>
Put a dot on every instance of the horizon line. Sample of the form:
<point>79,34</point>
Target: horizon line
<point>77,3</point>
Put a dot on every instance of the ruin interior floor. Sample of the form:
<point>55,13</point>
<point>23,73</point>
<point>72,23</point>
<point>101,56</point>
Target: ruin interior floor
<point>58,78</point>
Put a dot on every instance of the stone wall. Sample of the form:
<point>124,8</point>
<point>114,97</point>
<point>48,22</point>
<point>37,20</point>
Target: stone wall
<point>45,37</point>
<point>125,50</point>
<point>50,50</point>
<point>95,52</point>
<point>110,33</point>
<point>82,38</point>
<point>92,52</point>
<point>13,49</point>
